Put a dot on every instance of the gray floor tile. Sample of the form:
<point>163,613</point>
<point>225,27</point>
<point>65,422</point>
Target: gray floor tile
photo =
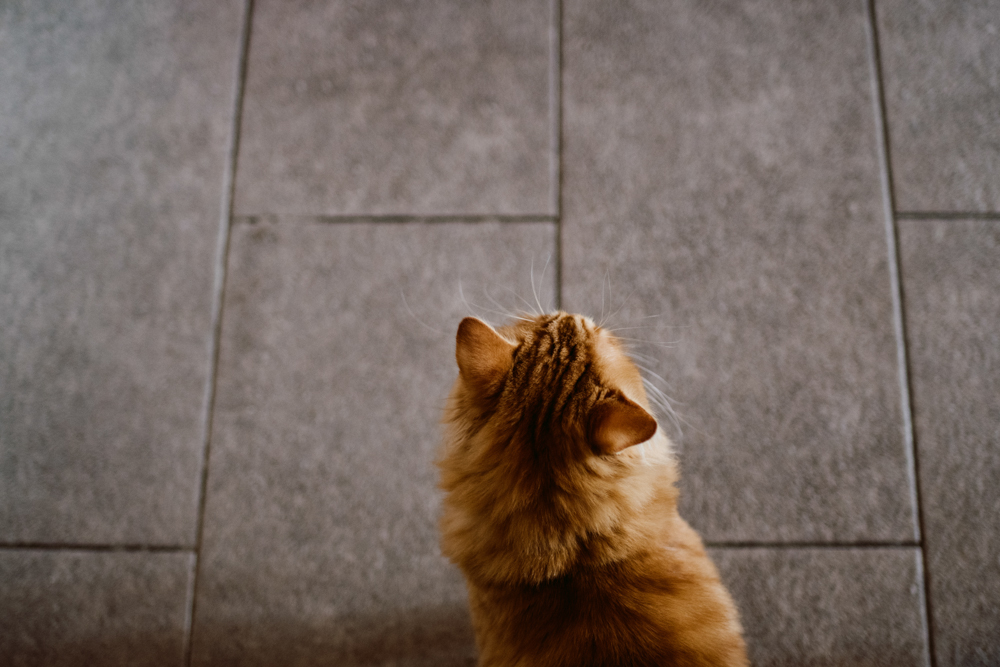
<point>720,167</point>
<point>424,107</point>
<point>941,72</point>
<point>828,606</point>
<point>76,608</point>
<point>951,279</point>
<point>320,534</point>
<point>114,121</point>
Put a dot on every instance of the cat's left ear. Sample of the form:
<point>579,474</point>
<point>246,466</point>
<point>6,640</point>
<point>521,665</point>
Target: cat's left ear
<point>619,423</point>
<point>484,356</point>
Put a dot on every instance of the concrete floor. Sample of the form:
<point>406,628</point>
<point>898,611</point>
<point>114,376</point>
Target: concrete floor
<point>236,240</point>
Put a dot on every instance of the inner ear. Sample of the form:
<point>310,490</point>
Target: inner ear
<point>484,356</point>
<point>619,423</point>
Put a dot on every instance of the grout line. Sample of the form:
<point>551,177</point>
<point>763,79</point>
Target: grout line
<point>218,293</point>
<point>924,591</point>
<point>947,215</point>
<point>898,307</point>
<point>97,548</point>
<point>175,548</point>
<point>553,88</point>
<point>892,242</point>
<point>189,606</point>
<point>474,219</point>
<point>812,545</point>
<point>556,105</point>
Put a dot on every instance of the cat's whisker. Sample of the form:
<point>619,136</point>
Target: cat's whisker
<point>663,402</point>
<point>607,275</point>
<point>656,376</point>
<point>624,303</point>
<point>650,375</point>
<point>642,340</point>
<point>664,314</point>
<point>414,315</point>
<point>660,396</point>
<point>500,307</point>
<point>507,313</point>
<point>461,294</point>
<point>657,396</point>
<point>666,404</point>
<point>541,282</point>
<point>473,307</point>
<point>645,358</point>
<point>649,326</point>
<point>531,272</point>
<point>645,328</point>
<point>531,308</point>
<point>664,344</point>
<point>600,322</point>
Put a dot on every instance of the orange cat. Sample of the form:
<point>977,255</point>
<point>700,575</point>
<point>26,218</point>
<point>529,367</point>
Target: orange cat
<point>561,509</point>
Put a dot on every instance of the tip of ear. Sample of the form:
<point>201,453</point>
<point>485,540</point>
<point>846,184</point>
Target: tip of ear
<point>483,355</point>
<point>469,325</point>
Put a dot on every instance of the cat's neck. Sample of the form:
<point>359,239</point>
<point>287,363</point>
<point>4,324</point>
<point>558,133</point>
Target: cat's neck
<point>535,529</point>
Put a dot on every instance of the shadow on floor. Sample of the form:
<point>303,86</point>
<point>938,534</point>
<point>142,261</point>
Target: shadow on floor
<point>439,636</point>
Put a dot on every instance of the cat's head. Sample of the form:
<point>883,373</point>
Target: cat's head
<point>556,381</point>
<point>540,463</point>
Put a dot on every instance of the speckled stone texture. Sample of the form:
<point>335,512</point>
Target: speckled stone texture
<point>73,608</point>
<point>951,278</point>
<point>941,70</point>
<point>428,107</point>
<point>710,179</point>
<point>828,606</point>
<point>114,120</point>
<point>337,356</point>
<point>720,169</point>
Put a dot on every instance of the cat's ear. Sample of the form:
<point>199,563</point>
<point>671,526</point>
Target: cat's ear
<point>484,356</point>
<point>619,423</point>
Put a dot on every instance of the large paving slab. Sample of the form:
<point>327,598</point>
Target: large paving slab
<point>337,353</point>
<point>951,279</point>
<point>427,107</point>
<point>720,168</point>
<point>941,72</point>
<point>114,121</point>
<point>828,606</point>
<point>70,608</point>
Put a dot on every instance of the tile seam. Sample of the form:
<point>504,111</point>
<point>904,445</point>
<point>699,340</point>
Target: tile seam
<point>556,104</point>
<point>811,545</point>
<point>96,548</point>
<point>395,219</point>
<point>218,295</point>
<point>946,215</point>
<point>192,566</point>
<point>891,234</point>
<point>883,149</point>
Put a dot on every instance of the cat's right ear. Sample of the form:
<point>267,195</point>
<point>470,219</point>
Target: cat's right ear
<point>620,423</point>
<point>484,356</point>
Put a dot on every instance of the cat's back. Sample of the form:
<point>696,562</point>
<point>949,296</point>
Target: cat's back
<point>663,606</point>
